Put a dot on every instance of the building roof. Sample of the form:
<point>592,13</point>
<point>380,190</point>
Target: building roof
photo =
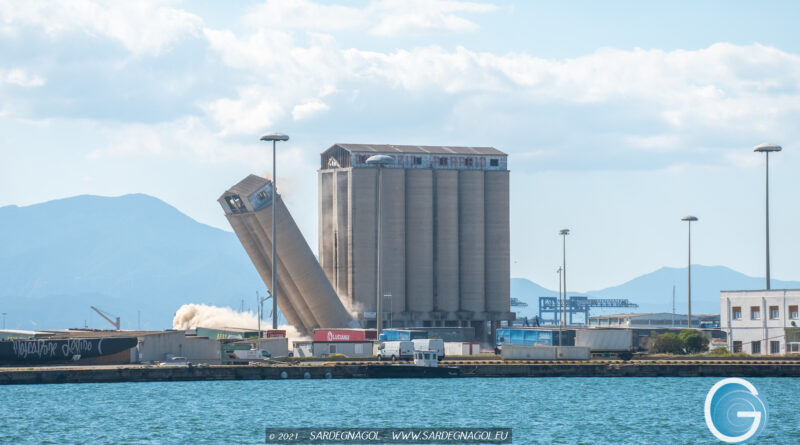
<point>421,149</point>
<point>246,186</point>
<point>651,314</point>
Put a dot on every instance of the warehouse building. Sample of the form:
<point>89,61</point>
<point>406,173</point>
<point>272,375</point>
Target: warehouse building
<point>654,320</point>
<point>444,234</point>
<point>757,321</point>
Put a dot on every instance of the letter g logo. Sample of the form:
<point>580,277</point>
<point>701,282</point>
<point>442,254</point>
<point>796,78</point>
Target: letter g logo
<point>734,411</point>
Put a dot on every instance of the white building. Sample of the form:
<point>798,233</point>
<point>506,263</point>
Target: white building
<point>756,320</point>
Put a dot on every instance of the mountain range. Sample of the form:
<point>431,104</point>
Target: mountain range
<point>139,258</point>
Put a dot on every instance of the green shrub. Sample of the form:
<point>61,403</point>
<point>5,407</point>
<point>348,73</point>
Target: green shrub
<point>668,343</point>
<point>693,341</point>
<point>719,352</point>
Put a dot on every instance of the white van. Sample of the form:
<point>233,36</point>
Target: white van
<point>430,344</point>
<point>396,350</point>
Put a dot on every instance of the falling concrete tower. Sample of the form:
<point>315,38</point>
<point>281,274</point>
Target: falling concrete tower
<point>305,296</point>
<point>445,234</point>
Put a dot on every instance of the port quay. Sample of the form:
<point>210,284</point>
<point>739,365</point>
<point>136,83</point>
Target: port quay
<point>369,369</point>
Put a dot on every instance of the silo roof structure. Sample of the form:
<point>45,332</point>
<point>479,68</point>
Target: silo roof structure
<point>305,296</point>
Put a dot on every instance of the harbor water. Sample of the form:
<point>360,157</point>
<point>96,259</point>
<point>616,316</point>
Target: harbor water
<point>539,410</point>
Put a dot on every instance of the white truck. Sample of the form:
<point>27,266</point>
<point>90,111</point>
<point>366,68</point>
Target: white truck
<point>396,350</point>
<point>430,344</point>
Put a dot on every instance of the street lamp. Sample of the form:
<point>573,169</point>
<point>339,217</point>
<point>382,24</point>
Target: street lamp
<point>559,304</point>
<point>274,137</point>
<point>379,161</point>
<point>689,219</point>
<point>767,148</point>
<point>564,233</point>
<point>4,320</point>
<point>260,302</point>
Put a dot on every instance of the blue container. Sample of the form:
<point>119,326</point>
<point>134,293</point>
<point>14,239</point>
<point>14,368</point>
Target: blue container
<point>402,335</point>
<point>524,337</point>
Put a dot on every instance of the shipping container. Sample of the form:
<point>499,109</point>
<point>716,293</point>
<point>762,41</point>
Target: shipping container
<point>348,348</point>
<point>402,334</point>
<point>605,339</point>
<point>344,335</point>
<point>461,348</point>
<point>532,337</point>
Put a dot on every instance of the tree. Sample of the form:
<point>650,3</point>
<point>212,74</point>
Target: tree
<point>693,341</point>
<point>668,343</point>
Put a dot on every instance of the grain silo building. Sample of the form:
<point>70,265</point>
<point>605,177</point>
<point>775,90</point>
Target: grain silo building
<point>445,234</point>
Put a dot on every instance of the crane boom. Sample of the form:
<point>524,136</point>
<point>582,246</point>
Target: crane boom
<point>102,314</point>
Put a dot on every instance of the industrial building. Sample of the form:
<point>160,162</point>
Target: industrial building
<point>444,234</point>
<point>305,296</point>
<point>761,321</point>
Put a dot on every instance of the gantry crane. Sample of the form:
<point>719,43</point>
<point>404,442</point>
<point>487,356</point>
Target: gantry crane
<point>103,314</point>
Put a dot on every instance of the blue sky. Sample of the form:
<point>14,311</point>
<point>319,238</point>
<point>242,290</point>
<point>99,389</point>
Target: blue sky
<point>619,117</point>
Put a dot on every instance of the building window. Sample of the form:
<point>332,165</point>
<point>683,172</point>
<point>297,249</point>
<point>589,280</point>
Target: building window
<point>468,162</point>
<point>737,312</point>
<point>794,347</point>
<point>737,346</point>
<point>755,347</point>
<point>774,347</point>
<point>494,162</point>
<point>417,160</point>
<point>755,313</point>
<point>332,349</point>
<point>262,195</point>
<point>793,312</point>
<point>774,313</point>
<point>442,161</point>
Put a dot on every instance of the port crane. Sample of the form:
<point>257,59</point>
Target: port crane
<point>577,305</point>
<point>103,314</point>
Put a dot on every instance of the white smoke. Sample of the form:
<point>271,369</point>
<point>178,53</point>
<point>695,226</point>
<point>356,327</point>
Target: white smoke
<point>192,316</point>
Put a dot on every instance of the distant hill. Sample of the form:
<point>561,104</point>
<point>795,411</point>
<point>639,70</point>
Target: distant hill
<point>122,254</point>
<point>653,291</point>
<point>135,253</point>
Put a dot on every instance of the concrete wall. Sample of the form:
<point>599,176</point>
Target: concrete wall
<point>514,352</point>
<point>158,347</point>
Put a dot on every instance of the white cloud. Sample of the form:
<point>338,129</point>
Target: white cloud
<point>388,18</point>
<point>308,109</point>
<point>142,26</point>
<point>21,78</point>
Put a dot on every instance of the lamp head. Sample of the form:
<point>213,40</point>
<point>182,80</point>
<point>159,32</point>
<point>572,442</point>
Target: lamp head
<point>766,148</point>
<point>380,160</point>
<point>689,218</point>
<point>563,232</point>
<point>274,136</point>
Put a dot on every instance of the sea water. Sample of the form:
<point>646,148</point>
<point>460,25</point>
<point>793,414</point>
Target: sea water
<point>539,410</point>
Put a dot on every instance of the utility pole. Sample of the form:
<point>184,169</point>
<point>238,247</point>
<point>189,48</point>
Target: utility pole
<point>673,305</point>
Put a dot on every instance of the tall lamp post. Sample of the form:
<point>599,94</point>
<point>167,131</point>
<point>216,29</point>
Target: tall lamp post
<point>379,161</point>
<point>559,304</point>
<point>689,219</point>
<point>274,137</point>
<point>767,148</point>
<point>564,233</point>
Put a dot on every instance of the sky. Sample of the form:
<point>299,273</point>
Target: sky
<point>619,118</point>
